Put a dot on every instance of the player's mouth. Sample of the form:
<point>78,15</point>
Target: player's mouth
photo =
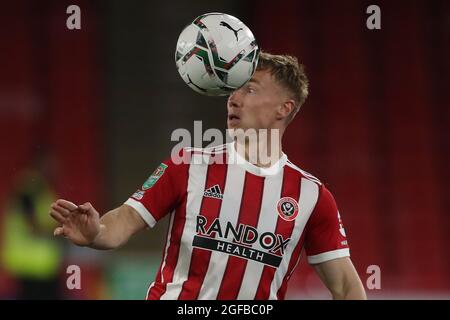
<point>233,117</point>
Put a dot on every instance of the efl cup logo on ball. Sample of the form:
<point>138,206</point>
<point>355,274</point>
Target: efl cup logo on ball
<point>287,208</point>
<point>216,54</point>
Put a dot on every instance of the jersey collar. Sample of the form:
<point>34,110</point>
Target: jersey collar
<point>236,158</point>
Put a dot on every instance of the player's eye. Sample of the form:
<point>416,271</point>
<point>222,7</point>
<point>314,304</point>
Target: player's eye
<point>250,89</point>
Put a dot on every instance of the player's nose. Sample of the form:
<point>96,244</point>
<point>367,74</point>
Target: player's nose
<point>233,100</point>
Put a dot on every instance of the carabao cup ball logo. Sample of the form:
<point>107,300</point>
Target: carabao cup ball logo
<point>287,208</point>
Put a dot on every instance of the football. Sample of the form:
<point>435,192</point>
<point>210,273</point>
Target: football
<point>216,54</point>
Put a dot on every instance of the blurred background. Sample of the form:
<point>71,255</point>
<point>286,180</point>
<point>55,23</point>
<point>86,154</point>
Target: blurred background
<point>87,115</point>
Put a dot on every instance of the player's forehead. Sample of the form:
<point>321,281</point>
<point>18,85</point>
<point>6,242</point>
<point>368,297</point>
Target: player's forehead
<point>260,77</point>
<point>264,79</point>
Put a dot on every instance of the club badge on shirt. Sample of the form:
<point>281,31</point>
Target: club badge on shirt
<point>154,176</point>
<point>287,208</point>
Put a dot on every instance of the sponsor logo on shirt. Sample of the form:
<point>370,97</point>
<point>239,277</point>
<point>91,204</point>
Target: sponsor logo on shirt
<point>238,241</point>
<point>287,208</point>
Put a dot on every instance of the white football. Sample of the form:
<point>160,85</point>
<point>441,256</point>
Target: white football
<point>216,54</point>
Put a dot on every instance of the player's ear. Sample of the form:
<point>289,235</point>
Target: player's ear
<point>285,109</point>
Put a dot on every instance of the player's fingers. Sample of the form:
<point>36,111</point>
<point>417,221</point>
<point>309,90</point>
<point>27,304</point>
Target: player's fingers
<point>57,216</point>
<point>61,210</point>
<point>59,231</point>
<point>66,204</point>
<point>86,208</point>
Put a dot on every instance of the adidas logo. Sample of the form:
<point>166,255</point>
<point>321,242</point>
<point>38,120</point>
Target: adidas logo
<point>213,192</point>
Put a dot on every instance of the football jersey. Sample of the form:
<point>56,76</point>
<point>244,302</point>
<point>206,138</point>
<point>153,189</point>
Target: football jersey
<point>236,230</point>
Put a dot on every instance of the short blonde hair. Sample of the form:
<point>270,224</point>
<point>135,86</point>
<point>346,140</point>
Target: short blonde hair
<point>290,75</point>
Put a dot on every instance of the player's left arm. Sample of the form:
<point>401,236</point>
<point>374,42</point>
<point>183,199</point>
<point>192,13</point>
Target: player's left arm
<point>328,250</point>
<point>340,277</point>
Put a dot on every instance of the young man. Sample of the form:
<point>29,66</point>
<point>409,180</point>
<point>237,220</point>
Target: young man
<point>237,227</point>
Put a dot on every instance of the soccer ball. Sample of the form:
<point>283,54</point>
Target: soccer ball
<point>216,54</point>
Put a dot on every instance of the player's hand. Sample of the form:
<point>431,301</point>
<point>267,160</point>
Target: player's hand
<point>80,224</point>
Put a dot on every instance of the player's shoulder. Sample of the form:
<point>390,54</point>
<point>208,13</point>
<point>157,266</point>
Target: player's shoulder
<point>306,175</point>
<point>325,198</point>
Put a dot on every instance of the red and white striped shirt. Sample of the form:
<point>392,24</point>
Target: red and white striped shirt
<point>236,230</point>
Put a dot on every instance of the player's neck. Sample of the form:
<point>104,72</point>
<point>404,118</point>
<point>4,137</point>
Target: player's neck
<point>264,153</point>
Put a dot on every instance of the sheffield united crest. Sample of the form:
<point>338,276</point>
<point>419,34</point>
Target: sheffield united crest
<point>287,208</point>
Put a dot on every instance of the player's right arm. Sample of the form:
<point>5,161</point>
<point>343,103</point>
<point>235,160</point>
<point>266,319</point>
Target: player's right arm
<point>160,194</point>
<point>83,226</point>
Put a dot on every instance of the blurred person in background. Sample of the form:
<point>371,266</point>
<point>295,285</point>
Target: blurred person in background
<point>28,253</point>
